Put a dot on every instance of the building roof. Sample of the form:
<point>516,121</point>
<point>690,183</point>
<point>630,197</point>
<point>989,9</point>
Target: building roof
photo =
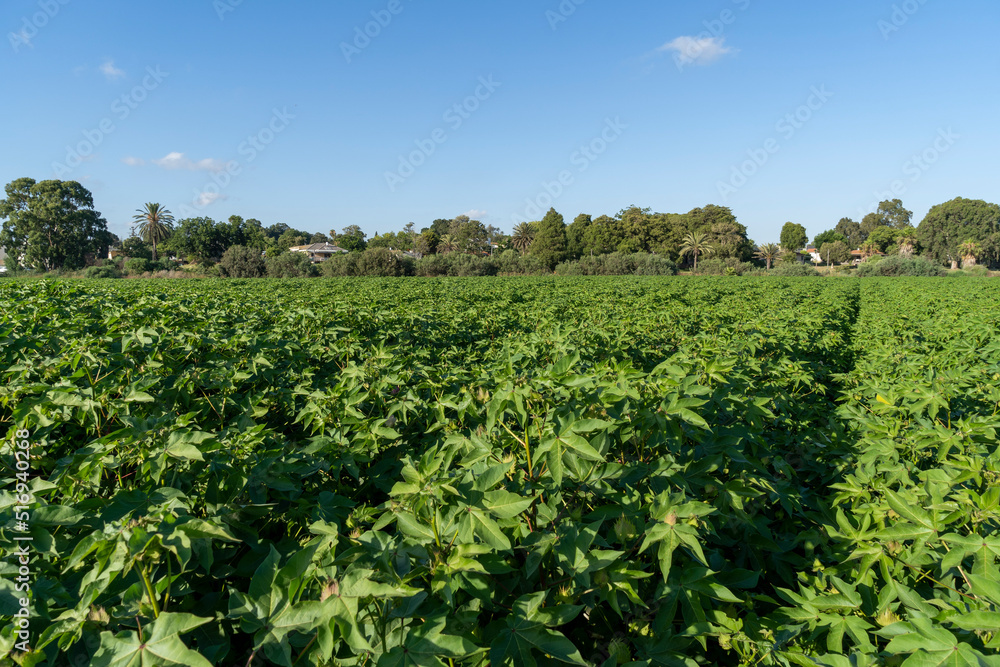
<point>321,248</point>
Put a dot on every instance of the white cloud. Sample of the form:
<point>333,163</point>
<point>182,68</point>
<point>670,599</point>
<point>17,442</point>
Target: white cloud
<point>476,214</point>
<point>178,161</point>
<point>702,50</point>
<point>206,198</point>
<point>109,70</point>
<point>133,161</point>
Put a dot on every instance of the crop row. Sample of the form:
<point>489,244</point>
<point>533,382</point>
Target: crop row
<point>497,472</point>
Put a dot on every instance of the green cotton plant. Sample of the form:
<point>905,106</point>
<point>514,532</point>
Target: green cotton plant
<point>578,470</point>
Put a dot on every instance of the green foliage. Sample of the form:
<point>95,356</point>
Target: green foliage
<point>830,236</point>
<point>291,265</point>
<point>242,262</point>
<point>549,243</point>
<point>883,238</point>
<point>948,225</point>
<point>136,266</point>
<point>135,248</point>
<point>723,267</point>
<point>835,252</point>
<point>102,272</point>
<point>619,264</point>
<point>794,270</point>
<point>380,262</point>
<point>899,266</point>
<point>52,224</point>
<point>199,238</point>
<point>352,239</point>
<point>978,271</point>
<point>645,471</point>
<point>155,225</point>
<point>890,214</point>
<point>576,234</point>
<point>793,237</point>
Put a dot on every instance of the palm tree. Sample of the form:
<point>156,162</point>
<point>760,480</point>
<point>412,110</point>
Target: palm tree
<point>447,244</point>
<point>696,243</point>
<point>155,223</point>
<point>907,243</point>
<point>970,251</point>
<point>869,249</point>
<point>523,237</point>
<point>769,252</point>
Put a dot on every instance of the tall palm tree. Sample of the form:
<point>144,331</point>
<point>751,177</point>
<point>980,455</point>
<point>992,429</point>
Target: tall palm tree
<point>155,223</point>
<point>907,242</point>
<point>769,252</point>
<point>447,244</point>
<point>523,237</point>
<point>970,252</point>
<point>695,243</point>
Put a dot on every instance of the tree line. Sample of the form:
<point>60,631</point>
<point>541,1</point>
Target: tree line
<point>51,225</point>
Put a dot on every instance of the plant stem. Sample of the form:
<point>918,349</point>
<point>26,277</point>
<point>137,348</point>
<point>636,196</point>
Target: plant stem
<point>149,592</point>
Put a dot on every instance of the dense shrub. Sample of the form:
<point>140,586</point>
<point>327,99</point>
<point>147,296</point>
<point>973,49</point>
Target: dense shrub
<point>655,265</point>
<point>135,248</point>
<point>432,266</point>
<point>512,263</point>
<point>619,264</point>
<point>380,263</point>
<point>900,266</point>
<point>454,264</point>
<point>242,262</point>
<point>165,264</point>
<point>729,266</point>
<point>470,266</point>
<point>291,265</point>
<point>102,272</point>
<point>137,265</point>
<point>340,266</point>
<point>794,271</point>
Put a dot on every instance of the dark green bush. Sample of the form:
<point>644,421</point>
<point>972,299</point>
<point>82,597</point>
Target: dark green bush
<point>729,266</point>
<point>789,270</point>
<point>102,272</point>
<point>619,264</point>
<point>900,266</point>
<point>291,265</point>
<point>380,263</point>
<point>241,262</point>
<point>164,264</point>
<point>341,266</point>
<point>136,266</point>
<point>432,266</point>
<point>654,265</point>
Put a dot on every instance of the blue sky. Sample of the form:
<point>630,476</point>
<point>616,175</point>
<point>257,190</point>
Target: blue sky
<point>784,111</point>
